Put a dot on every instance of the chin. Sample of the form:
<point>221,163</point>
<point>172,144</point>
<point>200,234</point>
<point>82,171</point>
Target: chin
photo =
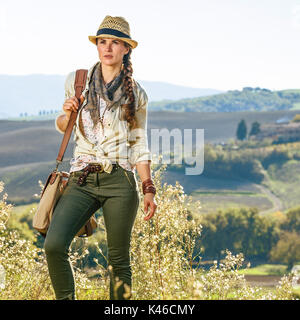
<point>109,62</point>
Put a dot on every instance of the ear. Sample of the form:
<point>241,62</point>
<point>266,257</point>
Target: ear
<point>127,47</point>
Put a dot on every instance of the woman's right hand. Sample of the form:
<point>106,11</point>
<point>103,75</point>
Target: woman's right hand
<point>71,105</point>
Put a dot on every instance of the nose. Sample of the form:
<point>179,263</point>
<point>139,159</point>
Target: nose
<point>108,47</point>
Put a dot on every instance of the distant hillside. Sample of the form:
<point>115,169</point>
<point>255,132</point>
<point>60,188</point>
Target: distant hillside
<point>28,150</point>
<point>286,132</point>
<point>24,142</point>
<point>158,91</point>
<point>32,93</point>
<point>248,99</point>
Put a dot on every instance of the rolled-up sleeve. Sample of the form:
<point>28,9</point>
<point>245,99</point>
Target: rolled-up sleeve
<point>69,92</point>
<point>138,136</point>
<point>56,126</point>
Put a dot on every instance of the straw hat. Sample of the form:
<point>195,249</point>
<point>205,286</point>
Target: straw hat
<point>115,28</point>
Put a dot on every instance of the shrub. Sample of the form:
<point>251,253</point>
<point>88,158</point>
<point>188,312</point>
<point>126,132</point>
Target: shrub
<point>26,273</point>
<point>163,254</point>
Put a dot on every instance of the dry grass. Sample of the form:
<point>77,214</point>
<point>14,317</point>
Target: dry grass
<point>162,256</point>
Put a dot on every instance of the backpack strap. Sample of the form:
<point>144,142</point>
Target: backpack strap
<point>80,82</point>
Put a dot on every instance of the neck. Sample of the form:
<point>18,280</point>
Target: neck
<point>109,73</point>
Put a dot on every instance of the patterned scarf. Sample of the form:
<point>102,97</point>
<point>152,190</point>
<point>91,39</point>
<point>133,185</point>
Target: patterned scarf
<point>111,92</point>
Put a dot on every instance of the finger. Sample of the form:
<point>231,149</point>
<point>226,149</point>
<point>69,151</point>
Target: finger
<point>146,205</point>
<point>69,107</point>
<point>149,216</point>
<point>74,98</point>
<point>153,207</point>
<point>67,111</point>
<point>81,99</point>
<point>74,101</point>
<point>74,105</point>
<point>145,211</point>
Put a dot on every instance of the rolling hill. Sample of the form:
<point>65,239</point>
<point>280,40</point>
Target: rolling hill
<point>32,93</point>
<point>248,99</point>
<point>28,150</point>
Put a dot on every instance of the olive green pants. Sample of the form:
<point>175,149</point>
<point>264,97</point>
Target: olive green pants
<point>117,193</point>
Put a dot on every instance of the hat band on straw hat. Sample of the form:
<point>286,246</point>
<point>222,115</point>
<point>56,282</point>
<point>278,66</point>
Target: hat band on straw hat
<point>112,32</point>
<point>114,27</point>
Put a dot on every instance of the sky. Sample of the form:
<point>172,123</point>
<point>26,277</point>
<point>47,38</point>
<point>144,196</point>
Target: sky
<point>218,44</point>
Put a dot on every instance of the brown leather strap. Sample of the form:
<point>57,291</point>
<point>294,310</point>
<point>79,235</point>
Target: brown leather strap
<point>80,82</point>
<point>88,229</point>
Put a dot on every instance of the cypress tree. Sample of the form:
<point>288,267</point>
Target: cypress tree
<point>241,132</point>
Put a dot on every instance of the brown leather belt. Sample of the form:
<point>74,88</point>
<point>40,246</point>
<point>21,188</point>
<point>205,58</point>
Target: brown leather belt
<point>90,168</point>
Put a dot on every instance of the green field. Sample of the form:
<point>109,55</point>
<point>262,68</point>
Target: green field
<point>266,270</point>
<point>214,201</point>
<point>284,182</point>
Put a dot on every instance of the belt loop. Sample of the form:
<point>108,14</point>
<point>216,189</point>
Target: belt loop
<point>96,179</point>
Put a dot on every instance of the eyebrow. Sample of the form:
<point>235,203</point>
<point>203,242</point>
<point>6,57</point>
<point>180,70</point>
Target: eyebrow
<point>109,39</point>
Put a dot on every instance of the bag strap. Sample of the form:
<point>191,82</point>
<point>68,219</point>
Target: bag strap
<point>80,82</point>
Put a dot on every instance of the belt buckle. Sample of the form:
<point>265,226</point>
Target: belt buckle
<point>101,168</point>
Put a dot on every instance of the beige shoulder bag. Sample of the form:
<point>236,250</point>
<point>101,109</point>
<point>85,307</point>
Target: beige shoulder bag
<point>57,181</point>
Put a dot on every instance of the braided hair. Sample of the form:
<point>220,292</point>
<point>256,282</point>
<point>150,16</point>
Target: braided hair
<point>129,108</point>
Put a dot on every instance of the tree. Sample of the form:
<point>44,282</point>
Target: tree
<point>255,129</point>
<point>238,230</point>
<point>287,249</point>
<point>296,118</point>
<point>292,221</point>
<point>241,132</point>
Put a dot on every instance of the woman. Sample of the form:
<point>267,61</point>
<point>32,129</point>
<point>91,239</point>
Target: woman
<point>110,142</point>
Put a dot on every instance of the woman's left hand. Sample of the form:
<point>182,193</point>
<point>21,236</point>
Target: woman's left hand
<point>149,201</point>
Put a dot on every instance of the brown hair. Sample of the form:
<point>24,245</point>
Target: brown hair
<point>129,108</point>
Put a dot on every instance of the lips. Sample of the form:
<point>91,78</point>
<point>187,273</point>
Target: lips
<point>108,56</point>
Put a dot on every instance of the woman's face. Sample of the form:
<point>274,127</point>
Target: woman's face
<point>111,51</point>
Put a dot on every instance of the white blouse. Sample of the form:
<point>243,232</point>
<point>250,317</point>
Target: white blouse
<point>116,142</point>
<point>93,135</point>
